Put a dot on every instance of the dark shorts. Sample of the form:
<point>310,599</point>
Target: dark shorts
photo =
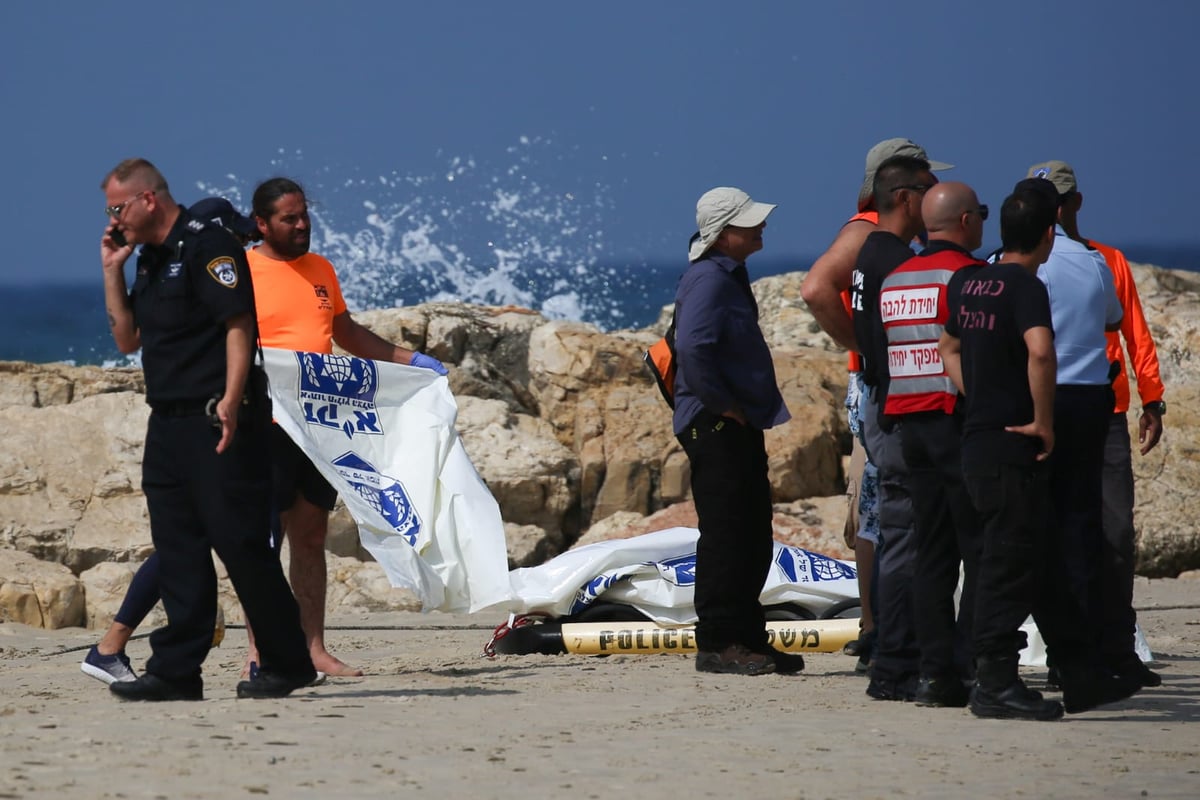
<point>293,473</point>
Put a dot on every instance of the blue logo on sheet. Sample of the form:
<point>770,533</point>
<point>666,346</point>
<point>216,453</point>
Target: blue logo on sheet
<point>590,591</point>
<point>385,494</point>
<point>802,566</point>
<point>680,570</point>
<point>338,392</point>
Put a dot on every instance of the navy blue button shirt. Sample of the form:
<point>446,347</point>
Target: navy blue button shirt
<point>722,361</point>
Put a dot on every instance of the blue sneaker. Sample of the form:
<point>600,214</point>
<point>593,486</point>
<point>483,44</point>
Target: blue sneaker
<point>110,669</point>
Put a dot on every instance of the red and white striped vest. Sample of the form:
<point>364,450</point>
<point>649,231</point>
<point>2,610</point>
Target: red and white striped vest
<point>912,305</point>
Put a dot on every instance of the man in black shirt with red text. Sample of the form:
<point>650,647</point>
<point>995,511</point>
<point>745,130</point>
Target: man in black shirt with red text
<point>998,347</point>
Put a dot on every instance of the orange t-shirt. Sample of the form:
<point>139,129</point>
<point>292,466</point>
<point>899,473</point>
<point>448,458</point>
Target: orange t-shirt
<point>1139,342</point>
<point>853,359</point>
<point>296,301</point>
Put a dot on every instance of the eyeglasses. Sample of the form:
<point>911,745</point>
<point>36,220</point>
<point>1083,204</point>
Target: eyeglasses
<point>982,211</point>
<point>922,188</point>
<point>119,208</point>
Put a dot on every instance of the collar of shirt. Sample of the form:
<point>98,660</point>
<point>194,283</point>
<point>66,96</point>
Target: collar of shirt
<point>938,245</point>
<point>174,236</point>
<point>723,261</point>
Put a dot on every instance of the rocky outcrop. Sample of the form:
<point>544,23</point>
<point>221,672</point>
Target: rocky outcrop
<point>40,593</point>
<point>564,425</point>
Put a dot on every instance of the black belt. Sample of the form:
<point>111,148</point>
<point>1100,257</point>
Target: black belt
<point>184,408</point>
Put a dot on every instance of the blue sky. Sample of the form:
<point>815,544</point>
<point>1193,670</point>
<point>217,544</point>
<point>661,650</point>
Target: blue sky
<point>625,110</point>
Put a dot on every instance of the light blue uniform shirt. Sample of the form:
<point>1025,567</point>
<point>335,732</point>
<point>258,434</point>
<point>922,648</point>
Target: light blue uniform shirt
<point>1082,302</point>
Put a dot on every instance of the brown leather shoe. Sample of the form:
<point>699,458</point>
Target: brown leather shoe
<point>735,659</point>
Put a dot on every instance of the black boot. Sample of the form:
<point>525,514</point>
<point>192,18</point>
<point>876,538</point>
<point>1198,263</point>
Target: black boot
<point>1086,686</point>
<point>155,689</point>
<point>1131,666</point>
<point>942,691</point>
<point>1000,694</point>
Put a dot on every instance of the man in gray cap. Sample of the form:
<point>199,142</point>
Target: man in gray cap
<point>1115,616</point>
<point>725,397</point>
<point>826,290</point>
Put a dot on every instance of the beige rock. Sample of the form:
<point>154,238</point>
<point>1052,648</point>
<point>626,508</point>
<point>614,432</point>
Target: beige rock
<point>530,545</point>
<point>39,593</point>
<point>565,426</point>
<point>805,454</point>
<point>533,477</point>
<point>41,385</point>
<point>70,479</point>
<point>813,524</point>
<point>105,586</point>
<point>342,539</point>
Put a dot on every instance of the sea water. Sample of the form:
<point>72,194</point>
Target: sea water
<point>525,230</point>
<point>521,231</point>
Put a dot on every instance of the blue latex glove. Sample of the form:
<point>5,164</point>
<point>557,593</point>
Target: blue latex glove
<point>428,362</point>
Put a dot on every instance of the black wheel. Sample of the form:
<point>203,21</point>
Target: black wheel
<point>788,611</point>
<point>842,609</point>
<point>607,612</point>
<point>543,638</point>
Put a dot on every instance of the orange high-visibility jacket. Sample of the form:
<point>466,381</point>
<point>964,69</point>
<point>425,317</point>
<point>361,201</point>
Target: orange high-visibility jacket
<point>1138,341</point>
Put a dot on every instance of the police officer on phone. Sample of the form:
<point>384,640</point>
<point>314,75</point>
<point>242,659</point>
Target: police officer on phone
<point>206,468</point>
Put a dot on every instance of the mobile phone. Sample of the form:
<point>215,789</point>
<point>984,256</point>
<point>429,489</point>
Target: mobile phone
<point>118,238</point>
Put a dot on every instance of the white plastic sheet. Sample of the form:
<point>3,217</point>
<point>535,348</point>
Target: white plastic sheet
<point>655,573</point>
<point>383,435</point>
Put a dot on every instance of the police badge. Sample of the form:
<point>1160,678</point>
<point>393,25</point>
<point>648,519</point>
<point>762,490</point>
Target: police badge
<point>223,271</point>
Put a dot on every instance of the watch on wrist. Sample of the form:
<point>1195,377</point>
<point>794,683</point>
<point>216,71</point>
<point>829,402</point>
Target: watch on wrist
<point>1157,407</point>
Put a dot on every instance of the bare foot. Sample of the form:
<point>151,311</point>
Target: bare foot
<point>335,667</point>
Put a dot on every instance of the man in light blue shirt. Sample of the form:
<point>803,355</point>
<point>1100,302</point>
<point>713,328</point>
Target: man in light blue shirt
<point>1083,305</point>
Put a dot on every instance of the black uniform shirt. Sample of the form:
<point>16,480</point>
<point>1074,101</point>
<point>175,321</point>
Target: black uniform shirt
<point>991,307</point>
<point>881,252</point>
<point>185,290</point>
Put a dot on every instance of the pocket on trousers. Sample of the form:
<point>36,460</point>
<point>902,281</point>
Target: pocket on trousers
<point>984,490</point>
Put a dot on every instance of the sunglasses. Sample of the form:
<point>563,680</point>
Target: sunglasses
<point>982,211</point>
<point>119,208</point>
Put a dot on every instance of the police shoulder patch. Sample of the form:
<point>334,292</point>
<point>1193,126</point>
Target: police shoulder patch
<point>224,271</point>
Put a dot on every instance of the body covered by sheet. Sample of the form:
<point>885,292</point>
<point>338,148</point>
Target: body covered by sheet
<point>656,574</point>
<point>383,435</point>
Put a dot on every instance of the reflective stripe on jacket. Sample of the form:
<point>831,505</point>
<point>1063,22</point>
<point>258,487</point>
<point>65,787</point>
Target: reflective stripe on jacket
<point>912,305</point>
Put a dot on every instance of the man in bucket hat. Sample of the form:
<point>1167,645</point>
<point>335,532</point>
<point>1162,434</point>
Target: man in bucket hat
<point>725,397</point>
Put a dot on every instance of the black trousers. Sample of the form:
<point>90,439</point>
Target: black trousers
<point>201,502</point>
<point>947,535</point>
<point>733,555</point>
<point>1020,567</point>
<point>897,654</point>
<point>1118,619</point>
<point>1081,419</point>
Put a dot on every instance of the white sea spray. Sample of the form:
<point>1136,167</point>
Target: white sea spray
<point>522,231</point>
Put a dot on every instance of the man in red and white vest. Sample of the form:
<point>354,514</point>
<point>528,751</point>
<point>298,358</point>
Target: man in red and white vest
<point>924,402</point>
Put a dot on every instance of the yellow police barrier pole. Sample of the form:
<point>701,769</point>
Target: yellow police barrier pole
<point>790,636</point>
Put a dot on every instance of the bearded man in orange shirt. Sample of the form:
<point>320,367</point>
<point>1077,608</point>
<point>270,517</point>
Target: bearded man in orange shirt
<point>300,307</point>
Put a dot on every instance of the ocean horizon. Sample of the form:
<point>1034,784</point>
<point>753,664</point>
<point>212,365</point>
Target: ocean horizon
<point>65,322</point>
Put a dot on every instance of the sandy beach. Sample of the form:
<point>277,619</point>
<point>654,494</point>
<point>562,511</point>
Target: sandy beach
<point>435,717</point>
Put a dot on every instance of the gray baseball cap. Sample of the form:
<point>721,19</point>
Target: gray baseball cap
<point>881,153</point>
<point>1057,172</point>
